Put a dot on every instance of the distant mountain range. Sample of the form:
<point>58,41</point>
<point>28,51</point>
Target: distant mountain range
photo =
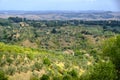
<point>62,15</point>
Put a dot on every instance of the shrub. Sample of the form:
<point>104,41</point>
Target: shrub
<point>46,61</point>
<point>67,77</point>
<point>9,60</point>
<point>3,76</point>
<point>77,53</point>
<point>54,31</point>
<point>37,66</point>
<point>2,62</point>
<point>30,56</point>
<point>73,73</point>
<point>34,78</point>
<point>111,49</point>
<point>11,70</point>
<point>57,78</point>
<point>45,77</point>
<point>101,71</point>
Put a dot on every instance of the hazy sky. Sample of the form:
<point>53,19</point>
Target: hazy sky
<point>107,5</point>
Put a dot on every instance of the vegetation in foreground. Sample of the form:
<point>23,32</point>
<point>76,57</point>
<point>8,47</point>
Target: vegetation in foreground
<point>37,50</point>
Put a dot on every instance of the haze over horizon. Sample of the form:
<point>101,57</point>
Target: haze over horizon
<point>68,5</point>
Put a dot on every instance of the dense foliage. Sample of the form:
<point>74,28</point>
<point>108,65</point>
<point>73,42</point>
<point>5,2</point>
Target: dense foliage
<point>112,50</point>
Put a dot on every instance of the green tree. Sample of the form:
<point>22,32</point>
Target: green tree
<point>111,49</point>
<point>54,31</point>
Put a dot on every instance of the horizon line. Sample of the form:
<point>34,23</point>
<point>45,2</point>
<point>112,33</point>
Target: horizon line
<point>63,10</point>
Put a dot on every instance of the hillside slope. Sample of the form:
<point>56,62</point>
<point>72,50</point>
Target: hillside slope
<point>18,62</point>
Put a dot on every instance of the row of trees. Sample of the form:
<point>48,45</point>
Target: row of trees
<point>51,23</point>
<point>75,23</point>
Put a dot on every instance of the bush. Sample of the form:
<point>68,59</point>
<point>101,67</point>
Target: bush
<point>9,60</point>
<point>2,76</point>
<point>73,73</point>
<point>111,49</point>
<point>34,78</point>
<point>11,70</point>
<point>45,77</point>
<point>57,78</point>
<point>46,61</point>
<point>101,71</point>
<point>30,56</point>
<point>37,66</point>
<point>77,53</point>
<point>67,77</point>
<point>104,71</point>
<point>2,62</point>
